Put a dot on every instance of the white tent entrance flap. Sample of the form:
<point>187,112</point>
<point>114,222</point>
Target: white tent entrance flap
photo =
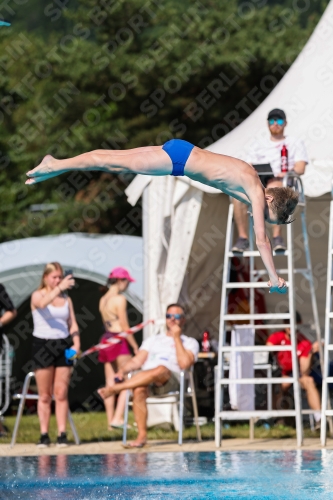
<point>171,209</point>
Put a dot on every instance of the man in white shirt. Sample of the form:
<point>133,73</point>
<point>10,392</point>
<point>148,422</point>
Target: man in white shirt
<point>268,150</point>
<point>161,358</point>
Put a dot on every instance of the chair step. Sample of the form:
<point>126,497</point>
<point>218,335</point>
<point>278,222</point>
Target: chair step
<point>255,317</point>
<point>251,284</point>
<point>263,272</point>
<point>255,253</point>
<point>263,414</point>
<point>266,326</point>
<point>270,380</point>
<point>256,348</point>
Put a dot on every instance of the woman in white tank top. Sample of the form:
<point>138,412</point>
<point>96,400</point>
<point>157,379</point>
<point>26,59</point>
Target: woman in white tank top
<point>55,330</point>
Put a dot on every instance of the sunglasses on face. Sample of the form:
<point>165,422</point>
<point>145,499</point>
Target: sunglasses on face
<point>279,121</point>
<point>174,316</point>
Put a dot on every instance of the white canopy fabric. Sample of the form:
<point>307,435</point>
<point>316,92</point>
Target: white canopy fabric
<point>305,94</point>
<point>172,205</point>
<point>89,256</point>
<point>171,210</point>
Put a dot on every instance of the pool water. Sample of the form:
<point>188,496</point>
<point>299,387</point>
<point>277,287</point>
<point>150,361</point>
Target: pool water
<point>244,475</point>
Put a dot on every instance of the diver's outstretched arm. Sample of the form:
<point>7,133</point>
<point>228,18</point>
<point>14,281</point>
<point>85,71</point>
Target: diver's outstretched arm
<point>151,160</point>
<point>275,283</point>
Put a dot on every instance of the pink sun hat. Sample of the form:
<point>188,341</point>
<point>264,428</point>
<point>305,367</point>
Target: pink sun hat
<point>121,273</point>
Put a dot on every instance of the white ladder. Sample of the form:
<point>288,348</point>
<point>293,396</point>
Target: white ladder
<point>252,317</point>
<point>326,410</point>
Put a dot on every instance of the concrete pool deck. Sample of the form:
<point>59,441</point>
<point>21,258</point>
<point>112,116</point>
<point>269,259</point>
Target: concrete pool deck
<point>106,447</point>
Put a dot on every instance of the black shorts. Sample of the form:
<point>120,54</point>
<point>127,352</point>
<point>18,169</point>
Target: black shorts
<point>50,352</point>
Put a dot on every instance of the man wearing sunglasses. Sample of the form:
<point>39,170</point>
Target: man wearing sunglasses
<point>160,358</point>
<point>268,150</point>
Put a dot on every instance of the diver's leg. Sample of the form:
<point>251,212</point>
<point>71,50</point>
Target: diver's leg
<point>151,160</point>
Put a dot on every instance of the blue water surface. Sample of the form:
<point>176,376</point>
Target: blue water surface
<point>228,475</point>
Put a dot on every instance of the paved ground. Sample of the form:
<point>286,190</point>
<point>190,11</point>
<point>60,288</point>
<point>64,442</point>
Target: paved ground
<point>162,446</point>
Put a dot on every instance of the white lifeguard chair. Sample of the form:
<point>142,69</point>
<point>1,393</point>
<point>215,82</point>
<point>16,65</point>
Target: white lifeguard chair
<point>289,271</point>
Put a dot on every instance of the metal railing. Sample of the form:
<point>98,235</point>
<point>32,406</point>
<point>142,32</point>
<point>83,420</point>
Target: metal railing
<point>6,362</point>
<point>325,403</point>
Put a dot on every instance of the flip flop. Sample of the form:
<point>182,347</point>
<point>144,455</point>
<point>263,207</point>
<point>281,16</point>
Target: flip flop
<point>120,426</point>
<point>131,446</point>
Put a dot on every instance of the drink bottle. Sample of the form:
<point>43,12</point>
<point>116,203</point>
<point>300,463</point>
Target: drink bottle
<point>205,343</point>
<point>284,159</point>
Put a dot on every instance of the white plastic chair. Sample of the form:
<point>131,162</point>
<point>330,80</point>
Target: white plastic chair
<point>178,397</point>
<point>25,396</point>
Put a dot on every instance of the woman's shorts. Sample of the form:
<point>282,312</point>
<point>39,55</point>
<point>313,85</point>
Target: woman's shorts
<point>50,352</point>
<point>111,353</point>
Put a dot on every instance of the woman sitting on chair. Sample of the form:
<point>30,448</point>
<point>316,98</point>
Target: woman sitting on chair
<point>55,331</point>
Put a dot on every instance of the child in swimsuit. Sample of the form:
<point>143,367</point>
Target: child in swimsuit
<point>177,157</point>
<point>112,307</point>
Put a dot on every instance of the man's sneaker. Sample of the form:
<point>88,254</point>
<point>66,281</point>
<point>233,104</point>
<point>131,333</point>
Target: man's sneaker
<point>62,440</point>
<point>44,441</point>
<point>278,244</point>
<point>241,245</point>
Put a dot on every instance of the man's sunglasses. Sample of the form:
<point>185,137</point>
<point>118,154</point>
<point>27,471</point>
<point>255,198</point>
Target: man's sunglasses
<point>174,316</point>
<point>279,121</point>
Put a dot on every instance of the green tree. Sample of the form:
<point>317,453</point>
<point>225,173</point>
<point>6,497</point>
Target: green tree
<point>122,74</point>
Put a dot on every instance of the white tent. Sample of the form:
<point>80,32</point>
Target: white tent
<point>89,256</point>
<point>182,217</point>
<point>305,94</point>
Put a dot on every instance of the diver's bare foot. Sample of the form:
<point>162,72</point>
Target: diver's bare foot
<point>45,170</point>
<point>47,159</point>
<point>105,392</point>
<point>138,443</point>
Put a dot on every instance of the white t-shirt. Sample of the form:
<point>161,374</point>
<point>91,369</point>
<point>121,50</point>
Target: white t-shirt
<point>162,351</point>
<point>266,151</point>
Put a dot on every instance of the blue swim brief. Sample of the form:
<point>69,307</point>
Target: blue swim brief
<point>179,151</point>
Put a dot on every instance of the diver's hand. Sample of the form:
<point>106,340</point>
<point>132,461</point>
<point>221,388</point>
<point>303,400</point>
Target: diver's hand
<point>47,169</point>
<point>278,286</point>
